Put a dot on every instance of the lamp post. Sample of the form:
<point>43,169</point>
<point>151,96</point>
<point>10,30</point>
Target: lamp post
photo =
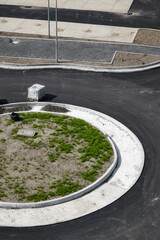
<point>56,43</point>
<point>48,18</point>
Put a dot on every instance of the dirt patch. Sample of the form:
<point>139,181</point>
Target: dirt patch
<point>147,37</point>
<point>25,60</point>
<point>51,108</point>
<point>133,59</point>
<point>66,155</point>
<point>14,109</point>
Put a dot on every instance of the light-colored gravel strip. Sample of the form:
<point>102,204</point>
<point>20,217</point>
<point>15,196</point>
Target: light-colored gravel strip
<point>131,161</point>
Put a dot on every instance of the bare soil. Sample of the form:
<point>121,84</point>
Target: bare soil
<point>133,59</point>
<point>148,37</point>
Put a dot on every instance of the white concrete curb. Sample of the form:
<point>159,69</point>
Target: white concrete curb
<point>130,165</point>
<point>81,67</point>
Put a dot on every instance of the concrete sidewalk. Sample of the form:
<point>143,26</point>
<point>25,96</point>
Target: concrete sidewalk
<point>68,30</point>
<point>121,6</point>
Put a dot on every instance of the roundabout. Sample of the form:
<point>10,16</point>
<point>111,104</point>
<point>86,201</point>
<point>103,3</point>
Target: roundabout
<point>133,100</point>
<point>128,161</point>
<point>122,86</point>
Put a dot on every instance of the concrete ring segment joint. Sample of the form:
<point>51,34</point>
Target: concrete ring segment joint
<point>130,156</point>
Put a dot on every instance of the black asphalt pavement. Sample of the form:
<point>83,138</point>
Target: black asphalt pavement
<point>134,100</point>
<point>142,14</point>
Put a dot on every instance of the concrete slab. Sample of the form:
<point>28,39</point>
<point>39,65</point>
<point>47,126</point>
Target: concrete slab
<point>108,5</point>
<point>121,6</point>
<point>71,4</point>
<point>30,27</point>
<point>95,5</point>
<point>4,2</point>
<point>76,30</point>
<point>100,33</point>
<point>26,133</point>
<point>9,24</point>
<point>43,28</point>
<point>69,30</point>
<point>38,3</point>
<point>123,34</point>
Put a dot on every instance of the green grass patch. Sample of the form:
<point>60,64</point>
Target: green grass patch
<point>3,195</point>
<point>3,140</point>
<point>37,197</point>
<point>52,157</point>
<point>65,147</point>
<point>90,175</point>
<point>65,186</point>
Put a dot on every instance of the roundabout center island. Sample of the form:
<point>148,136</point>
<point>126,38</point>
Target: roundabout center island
<point>77,161</point>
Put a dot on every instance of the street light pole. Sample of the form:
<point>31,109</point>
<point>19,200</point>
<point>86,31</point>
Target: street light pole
<point>48,18</point>
<point>56,45</point>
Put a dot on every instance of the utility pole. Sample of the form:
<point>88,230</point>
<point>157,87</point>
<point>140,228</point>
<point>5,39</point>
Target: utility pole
<point>56,43</point>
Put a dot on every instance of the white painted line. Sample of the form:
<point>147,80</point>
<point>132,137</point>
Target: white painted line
<point>131,160</point>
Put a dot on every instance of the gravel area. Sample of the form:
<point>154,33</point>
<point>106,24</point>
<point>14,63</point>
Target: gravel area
<point>143,37</point>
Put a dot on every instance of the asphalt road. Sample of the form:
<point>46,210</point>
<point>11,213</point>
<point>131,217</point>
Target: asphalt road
<point>133,99</point>
<point>142,14</point>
